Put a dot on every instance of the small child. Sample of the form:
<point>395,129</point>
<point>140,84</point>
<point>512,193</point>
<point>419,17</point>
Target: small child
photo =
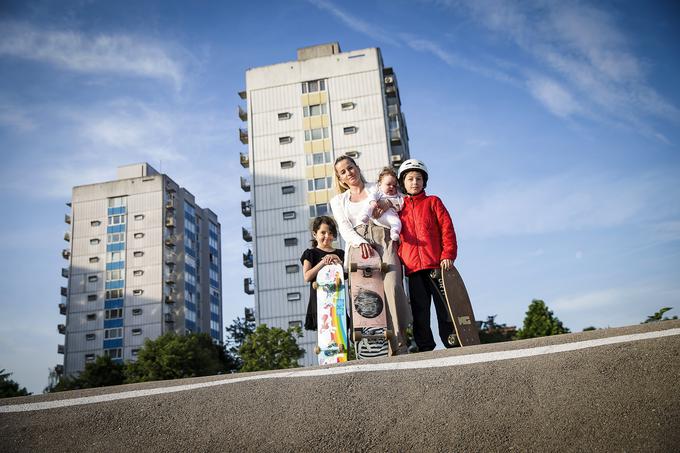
<point>428,241</point>
<point>324,232</point>
<point>386,191</point>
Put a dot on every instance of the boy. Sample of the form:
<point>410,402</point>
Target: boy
<point>428,242</point>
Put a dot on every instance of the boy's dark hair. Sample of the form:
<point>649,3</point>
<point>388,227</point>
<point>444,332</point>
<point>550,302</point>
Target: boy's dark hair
<point>321,220</point>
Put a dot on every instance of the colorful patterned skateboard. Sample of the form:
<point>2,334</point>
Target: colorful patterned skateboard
<point>369,312</point>
<point>451,287</point>
<point>331,315</point>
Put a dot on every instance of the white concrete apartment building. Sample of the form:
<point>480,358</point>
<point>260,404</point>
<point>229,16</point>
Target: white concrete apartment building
<point>301,115</point>
<point>143,260</point>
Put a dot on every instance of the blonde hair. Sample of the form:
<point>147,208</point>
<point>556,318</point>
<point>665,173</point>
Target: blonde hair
<point>340,187</point>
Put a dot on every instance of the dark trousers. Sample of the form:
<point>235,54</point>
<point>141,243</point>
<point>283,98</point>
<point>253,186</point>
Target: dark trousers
<point>422,290</point>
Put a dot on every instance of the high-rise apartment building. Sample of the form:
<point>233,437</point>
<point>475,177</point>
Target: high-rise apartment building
<point>144,259</point>
<point>300,116</point>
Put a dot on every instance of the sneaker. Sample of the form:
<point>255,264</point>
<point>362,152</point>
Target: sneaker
<point>394,235</point>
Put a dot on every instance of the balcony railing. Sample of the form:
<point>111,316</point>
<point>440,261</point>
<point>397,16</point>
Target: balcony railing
<point>390,90</point>
<point>243,94</point>
<point>62,308</point>
<point>170,205</point>
<point>67,236</point>
<point>392,110</point>
<point>169,300</point>
<point>245,161</point>
<point>67,219</point>
<point>243,135</point>
<point>246,208</point>
<point>64,272</point>
<point>61,328</point>
<point>395,135</point>
<point>249,314</point>
<point>247,286</point>
<point>64,291</point>
<point>66,254</point>
<point>246,235</point>
<point>243,114</point>
<point>248,259</point>
<point>170,222</point>
<point>170,241</point>
<point>245,184</point>
<point>171,279</point>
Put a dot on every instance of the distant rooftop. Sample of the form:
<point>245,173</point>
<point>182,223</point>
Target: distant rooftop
<point>320,50</point>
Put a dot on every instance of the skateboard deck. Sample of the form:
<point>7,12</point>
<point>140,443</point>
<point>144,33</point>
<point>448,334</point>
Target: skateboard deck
<point>451,287</point>
<point>369,312</point>
<point>331,315</point>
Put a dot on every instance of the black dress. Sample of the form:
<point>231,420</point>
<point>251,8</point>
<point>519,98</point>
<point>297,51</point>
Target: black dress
<point>314,256</point>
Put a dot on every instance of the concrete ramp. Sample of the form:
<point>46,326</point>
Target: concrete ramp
<point>606,390</point>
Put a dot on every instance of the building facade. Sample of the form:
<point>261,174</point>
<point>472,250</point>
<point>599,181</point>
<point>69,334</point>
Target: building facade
<point>143,260</point>
<point>300,116</point>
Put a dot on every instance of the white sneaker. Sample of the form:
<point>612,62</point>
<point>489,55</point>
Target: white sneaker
<point>394,235</point>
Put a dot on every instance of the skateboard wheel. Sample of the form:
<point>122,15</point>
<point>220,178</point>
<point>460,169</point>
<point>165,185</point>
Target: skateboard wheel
<point>389,334</point>
<point>452,340</point>
<point>315,285</point>
<point>384,267</point>
<point>352,267</point>
<point>317,350</point>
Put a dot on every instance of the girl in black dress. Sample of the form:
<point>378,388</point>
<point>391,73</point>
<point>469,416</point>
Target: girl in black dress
<point>324,232</point>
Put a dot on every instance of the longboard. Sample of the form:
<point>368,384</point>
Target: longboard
<point>452,288</point>
<point>369,312</point>
<point>331,315</point>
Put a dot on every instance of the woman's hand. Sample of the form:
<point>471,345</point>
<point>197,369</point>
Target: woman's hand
<point>447,264</point>
<point>366,250</point>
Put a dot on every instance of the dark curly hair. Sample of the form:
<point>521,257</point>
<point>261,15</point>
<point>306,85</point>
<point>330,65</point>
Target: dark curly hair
<point>321,220</point>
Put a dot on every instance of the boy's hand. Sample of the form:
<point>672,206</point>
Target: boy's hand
<point>446,264</point>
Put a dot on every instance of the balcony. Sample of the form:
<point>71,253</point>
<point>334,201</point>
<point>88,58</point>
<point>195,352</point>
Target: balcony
<point>397,159</point>
<point>389,80</point>
<point>169,319</point>
<point>67,219</point>
<point>243,135</point>
<point>170,222</point>
<point>62,309</point>
<point>245,160</point>
<point>67,236</point>
<point>243,94</point>
<point>64,272</point>
<point>169,300</point>
<point>245,184</point>
<point>249,314</point>
<point>170,241</point>
<point>243,114</point>
<point>395,135</point>
<point>248,286</point>
<point>246,208</point>
<point>66,254</point>
<point>390,90</point>
<point>246,235</point>
<point>171,279</point>
<point>248,259</point>
<point>392,110</point>
<point>60,349</point>
<point>170,190</point>
<point>61,328</point>
<point>170,205</point>
<point>170,259</point>
<point>64,291</point>
<point>59,369</point>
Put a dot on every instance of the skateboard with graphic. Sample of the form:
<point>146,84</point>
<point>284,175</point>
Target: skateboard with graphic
<point>369,312</point>
<point>331,315</point>
<point>452,289</point>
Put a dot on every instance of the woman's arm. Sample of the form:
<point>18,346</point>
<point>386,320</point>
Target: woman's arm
<point>344,226</point>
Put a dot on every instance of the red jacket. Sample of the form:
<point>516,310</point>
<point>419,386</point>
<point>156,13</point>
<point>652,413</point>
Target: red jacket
<point>427,234</point>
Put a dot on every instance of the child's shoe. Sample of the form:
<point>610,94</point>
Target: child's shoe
<point>394,235</point>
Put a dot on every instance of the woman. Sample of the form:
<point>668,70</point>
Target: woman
<point>348,208</point>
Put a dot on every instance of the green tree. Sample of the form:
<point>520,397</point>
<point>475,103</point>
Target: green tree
<point>103,372</point>
<point>271,349</point>
<point>236,335</point>
<point>172,356</point>
<point>9,387</point>
<point>659,316</point>
<point>491,332</point>
<point>540,322</point>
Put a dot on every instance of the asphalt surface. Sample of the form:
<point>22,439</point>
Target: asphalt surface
<point>604,397</point>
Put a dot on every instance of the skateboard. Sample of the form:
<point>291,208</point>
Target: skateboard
<point>450,285</point>
<point>369,312</point>
<point>331,315</point>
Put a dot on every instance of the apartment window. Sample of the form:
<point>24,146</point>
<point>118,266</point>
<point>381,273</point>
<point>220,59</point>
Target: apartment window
<point>136,311</point>
<point>138,273</point>
<point>113,257</point>
<point>116,274</point>
<point>284,116</point>
<point>319,183</point>
<point>92,278</point>
<point>137,292</point>
<point>91,297</point>
<point>289,215</point>
<point>113,333</point>
<point>292,268</point>
<point>316,134</point>
<point>94,241</point>
<point>89,357</point>
<point>136,331</point>
<point>139,235</point>
<point>94,259</point>
<point>116,202</point>
<point>114,313</point>
<point>134,352</point>
<point>95,223</point>
<point>318,210</point>
<point>116,353</point>
<point>138,254</point>
<point>114,293</point>
<point>318,158</point>
<point>295,324</point>
<point>287,164</point>
<point>115,237</point>
<point>139,216</point>
<point>313,86</point>
<point>285,190</point>
<point>90,336</point>
<point>285,140</point>
<point>347,105</point>
<point>91,316</point>
<point>349,130</point>
<point>290,242</point>
<point>314,110</point>
<point>116,219</point>
<point>294,297</point>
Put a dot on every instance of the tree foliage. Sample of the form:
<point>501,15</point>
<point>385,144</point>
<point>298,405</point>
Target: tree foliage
<point>659,316</point>
<point>172,356</point>
<point>492,332</point>
<point>103,372</point>
<point>271,349</point>
<point>236,335</point>
<point>10,388</point>
<point>540,322</point>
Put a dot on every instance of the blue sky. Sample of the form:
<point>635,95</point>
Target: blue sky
<point>551,130</point>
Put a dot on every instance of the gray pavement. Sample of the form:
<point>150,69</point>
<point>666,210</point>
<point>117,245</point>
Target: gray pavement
<point>557,394</point>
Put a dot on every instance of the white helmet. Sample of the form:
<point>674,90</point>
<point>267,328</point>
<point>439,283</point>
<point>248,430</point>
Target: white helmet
<point>412,164</point>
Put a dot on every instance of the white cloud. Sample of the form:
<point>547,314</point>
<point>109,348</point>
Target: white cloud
<point>553,96</point>
<point>94,54</point>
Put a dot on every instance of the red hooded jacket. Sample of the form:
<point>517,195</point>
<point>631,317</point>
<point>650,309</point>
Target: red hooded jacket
<point>427,234</point>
